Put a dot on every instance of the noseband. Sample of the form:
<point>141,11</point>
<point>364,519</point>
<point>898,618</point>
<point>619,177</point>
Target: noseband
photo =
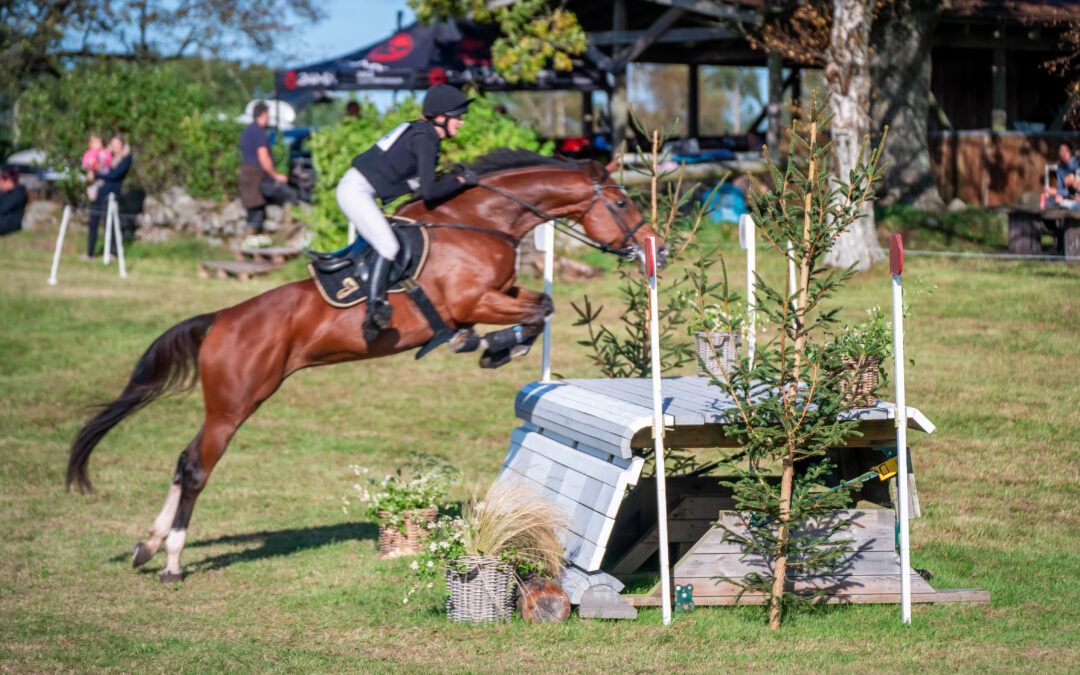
<point>623,250</point>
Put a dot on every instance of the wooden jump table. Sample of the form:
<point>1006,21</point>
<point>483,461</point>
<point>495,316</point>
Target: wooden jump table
<point>581,440</point>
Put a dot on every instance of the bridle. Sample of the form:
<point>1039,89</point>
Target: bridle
<point>623,250</point>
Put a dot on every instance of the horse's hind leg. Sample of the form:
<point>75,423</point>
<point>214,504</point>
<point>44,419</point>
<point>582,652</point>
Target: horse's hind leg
<point>146,548</point>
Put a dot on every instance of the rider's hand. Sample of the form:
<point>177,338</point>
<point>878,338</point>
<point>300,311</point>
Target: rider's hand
<point>469,178</point>
<point>281,178</point>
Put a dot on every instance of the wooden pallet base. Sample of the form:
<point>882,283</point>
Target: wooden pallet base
<point>870,572</point>
<point>232,269</point>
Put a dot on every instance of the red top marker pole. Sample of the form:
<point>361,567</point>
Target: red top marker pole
<point>896,254</point>
<point>650,257</point>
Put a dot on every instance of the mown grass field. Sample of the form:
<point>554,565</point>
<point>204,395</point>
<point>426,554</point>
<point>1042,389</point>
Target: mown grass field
<point>280,579</point>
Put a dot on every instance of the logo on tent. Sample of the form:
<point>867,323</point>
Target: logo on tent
<point>394,49</point>
<point>290,79</point>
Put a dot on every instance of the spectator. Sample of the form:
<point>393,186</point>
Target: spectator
<point>12,202</point>
<point>1069,196</point>
<point>1068,164</point>
<point>352,109</point>
<point>259,181</point>
<point>111,182</point>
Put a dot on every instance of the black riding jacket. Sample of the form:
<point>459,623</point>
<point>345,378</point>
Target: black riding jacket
<point>404,160</point>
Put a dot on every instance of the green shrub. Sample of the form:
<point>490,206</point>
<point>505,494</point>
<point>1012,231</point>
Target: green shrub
<point>969,229</point>
<point>333,148</point>
<point>157,114</point>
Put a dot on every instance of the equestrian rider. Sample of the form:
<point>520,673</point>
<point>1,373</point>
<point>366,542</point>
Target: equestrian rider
<point>401,161</point>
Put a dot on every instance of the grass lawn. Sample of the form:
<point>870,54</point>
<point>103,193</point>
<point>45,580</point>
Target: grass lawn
<point>280,579</point>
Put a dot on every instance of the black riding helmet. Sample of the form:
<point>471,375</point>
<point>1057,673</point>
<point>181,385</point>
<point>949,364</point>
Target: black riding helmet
<point>445,99</point>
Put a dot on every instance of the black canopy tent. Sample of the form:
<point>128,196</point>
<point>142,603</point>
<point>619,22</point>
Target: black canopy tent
<point>457,52</point>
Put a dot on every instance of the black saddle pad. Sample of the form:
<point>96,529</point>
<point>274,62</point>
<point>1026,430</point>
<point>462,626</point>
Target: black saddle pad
<point>348,286</point>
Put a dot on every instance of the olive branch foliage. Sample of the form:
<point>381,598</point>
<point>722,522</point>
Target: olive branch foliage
<point>788,400</point>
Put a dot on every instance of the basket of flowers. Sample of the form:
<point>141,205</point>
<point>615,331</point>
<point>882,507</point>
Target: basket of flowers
<point>862,349</point>
<point>483,554</point>
<point>405,502</point>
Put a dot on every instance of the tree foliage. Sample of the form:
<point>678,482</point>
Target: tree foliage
<point>788,399</point>
<point>534,34</point>
<point>333,148</point>
<point>173,142</point>
<point>45,37</point>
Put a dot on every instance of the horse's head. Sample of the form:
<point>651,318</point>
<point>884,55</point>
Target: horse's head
<point>611,218</point>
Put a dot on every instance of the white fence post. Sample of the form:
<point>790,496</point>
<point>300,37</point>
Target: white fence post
<point>545,239</point>
<point>108,226</point>
<point>119,240</point>
<point>59,244</point>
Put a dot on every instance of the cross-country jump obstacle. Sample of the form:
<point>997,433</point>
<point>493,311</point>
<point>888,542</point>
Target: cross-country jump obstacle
<point>582,441</point>
<point>241,354</point>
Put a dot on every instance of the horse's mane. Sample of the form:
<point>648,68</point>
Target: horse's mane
<point>504,159</point>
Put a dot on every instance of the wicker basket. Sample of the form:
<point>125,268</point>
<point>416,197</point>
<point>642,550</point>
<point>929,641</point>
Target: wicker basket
<point>860,381</point>
<point>726,347</point>
<point>393,542</point>
<point>483,593</point>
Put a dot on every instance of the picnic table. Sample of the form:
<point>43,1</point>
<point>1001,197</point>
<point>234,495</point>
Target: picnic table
<point>1027,224</point>
<point>278,256</point>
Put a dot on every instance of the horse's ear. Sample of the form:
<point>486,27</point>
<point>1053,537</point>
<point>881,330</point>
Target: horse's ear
<point>613,165</point>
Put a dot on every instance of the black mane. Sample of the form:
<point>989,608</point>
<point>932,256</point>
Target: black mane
<point>504,159</point>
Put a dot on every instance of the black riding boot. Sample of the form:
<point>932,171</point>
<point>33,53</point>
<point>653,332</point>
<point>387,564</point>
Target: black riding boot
<point>378,309</point>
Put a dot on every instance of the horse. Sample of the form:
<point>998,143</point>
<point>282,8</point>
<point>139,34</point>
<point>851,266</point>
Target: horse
<point>240,355</point>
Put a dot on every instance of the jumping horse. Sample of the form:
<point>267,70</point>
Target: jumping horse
<point>241,354</point>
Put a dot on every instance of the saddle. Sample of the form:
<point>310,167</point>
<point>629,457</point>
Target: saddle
<point>342,277</point>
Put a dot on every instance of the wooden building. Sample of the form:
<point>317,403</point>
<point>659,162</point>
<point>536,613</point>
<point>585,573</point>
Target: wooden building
<point>997,116</point>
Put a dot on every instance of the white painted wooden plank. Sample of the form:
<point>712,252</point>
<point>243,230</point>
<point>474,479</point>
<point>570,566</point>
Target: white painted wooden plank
<point>585,522</point>
<point>577,412</point>
<point>582,553</point>
<point>731,565</point>
<point>581,488</point>
<point>595,438</point>
<point>591,403</point>
<point>603,455</point>
<point>627,390</point>
<point>557,452</point>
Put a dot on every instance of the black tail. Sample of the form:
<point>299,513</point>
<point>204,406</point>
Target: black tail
<point>170,364</point>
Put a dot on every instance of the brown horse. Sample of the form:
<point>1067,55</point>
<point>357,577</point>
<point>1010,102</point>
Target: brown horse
<point>243,353</point>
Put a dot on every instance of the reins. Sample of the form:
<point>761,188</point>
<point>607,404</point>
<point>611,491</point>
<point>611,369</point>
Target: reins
<point>560,223</point>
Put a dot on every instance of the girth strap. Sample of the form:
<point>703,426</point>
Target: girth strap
<point>423,303</point>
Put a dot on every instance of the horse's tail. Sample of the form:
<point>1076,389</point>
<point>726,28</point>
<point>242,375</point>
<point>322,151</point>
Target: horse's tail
<point>170,365</point>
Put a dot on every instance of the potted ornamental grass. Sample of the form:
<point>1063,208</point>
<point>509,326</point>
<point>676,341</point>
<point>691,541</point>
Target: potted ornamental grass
<point>483,554</point>
<point>404,503</point>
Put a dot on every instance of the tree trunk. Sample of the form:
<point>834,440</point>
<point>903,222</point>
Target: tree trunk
<point>900,72</point>
<point>847,71</point>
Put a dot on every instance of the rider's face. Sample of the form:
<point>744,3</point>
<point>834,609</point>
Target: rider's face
<point>453,124</point>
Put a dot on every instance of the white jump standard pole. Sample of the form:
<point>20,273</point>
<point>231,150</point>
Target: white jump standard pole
<point>547,233</point>
<point>119,240</point>
<point>748,240</point>
<point>59,245</point>
<point>108,227</point>
<point>658,431</point>
<point>896,266</point>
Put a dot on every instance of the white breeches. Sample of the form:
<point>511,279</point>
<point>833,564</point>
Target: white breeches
<point>356,198</point>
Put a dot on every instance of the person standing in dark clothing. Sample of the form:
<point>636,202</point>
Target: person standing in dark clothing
<point>259,181</point>
<point>401,161</point>
<point>113,179</point>
<point>12,202</point>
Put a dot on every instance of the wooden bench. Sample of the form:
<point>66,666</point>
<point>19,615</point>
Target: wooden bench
<point>278,256</point>
<point>232,269</point>
<point>1027,225</point>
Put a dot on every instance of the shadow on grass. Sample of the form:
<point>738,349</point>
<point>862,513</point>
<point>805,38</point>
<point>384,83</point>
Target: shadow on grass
<point>271,544</point>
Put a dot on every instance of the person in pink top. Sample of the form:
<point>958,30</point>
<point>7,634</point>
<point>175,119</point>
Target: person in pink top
<point>97,159</point>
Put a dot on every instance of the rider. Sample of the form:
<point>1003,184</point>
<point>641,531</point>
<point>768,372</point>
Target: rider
<point>401,161</point>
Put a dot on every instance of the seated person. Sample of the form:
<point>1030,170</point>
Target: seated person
<point>1068,164</point>
<point>1069,197</point>
<point>12,202</point>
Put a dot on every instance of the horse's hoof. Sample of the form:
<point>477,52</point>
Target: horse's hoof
<point>167,577</point>
<point>495,359</point>
<point>141,555</point>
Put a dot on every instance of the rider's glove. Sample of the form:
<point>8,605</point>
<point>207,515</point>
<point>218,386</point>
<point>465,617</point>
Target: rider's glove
<point>470,177</point>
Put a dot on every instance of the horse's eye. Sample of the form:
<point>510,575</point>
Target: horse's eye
<point>621,203</point>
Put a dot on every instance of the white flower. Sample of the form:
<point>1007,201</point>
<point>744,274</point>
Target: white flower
<point>414,565</point>
<point>430,584</point>
<point>405,601</point>
<point>430,565</point>
<point>365,469</point>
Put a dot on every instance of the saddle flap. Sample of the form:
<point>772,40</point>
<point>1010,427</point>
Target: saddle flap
<point>342,277</point>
